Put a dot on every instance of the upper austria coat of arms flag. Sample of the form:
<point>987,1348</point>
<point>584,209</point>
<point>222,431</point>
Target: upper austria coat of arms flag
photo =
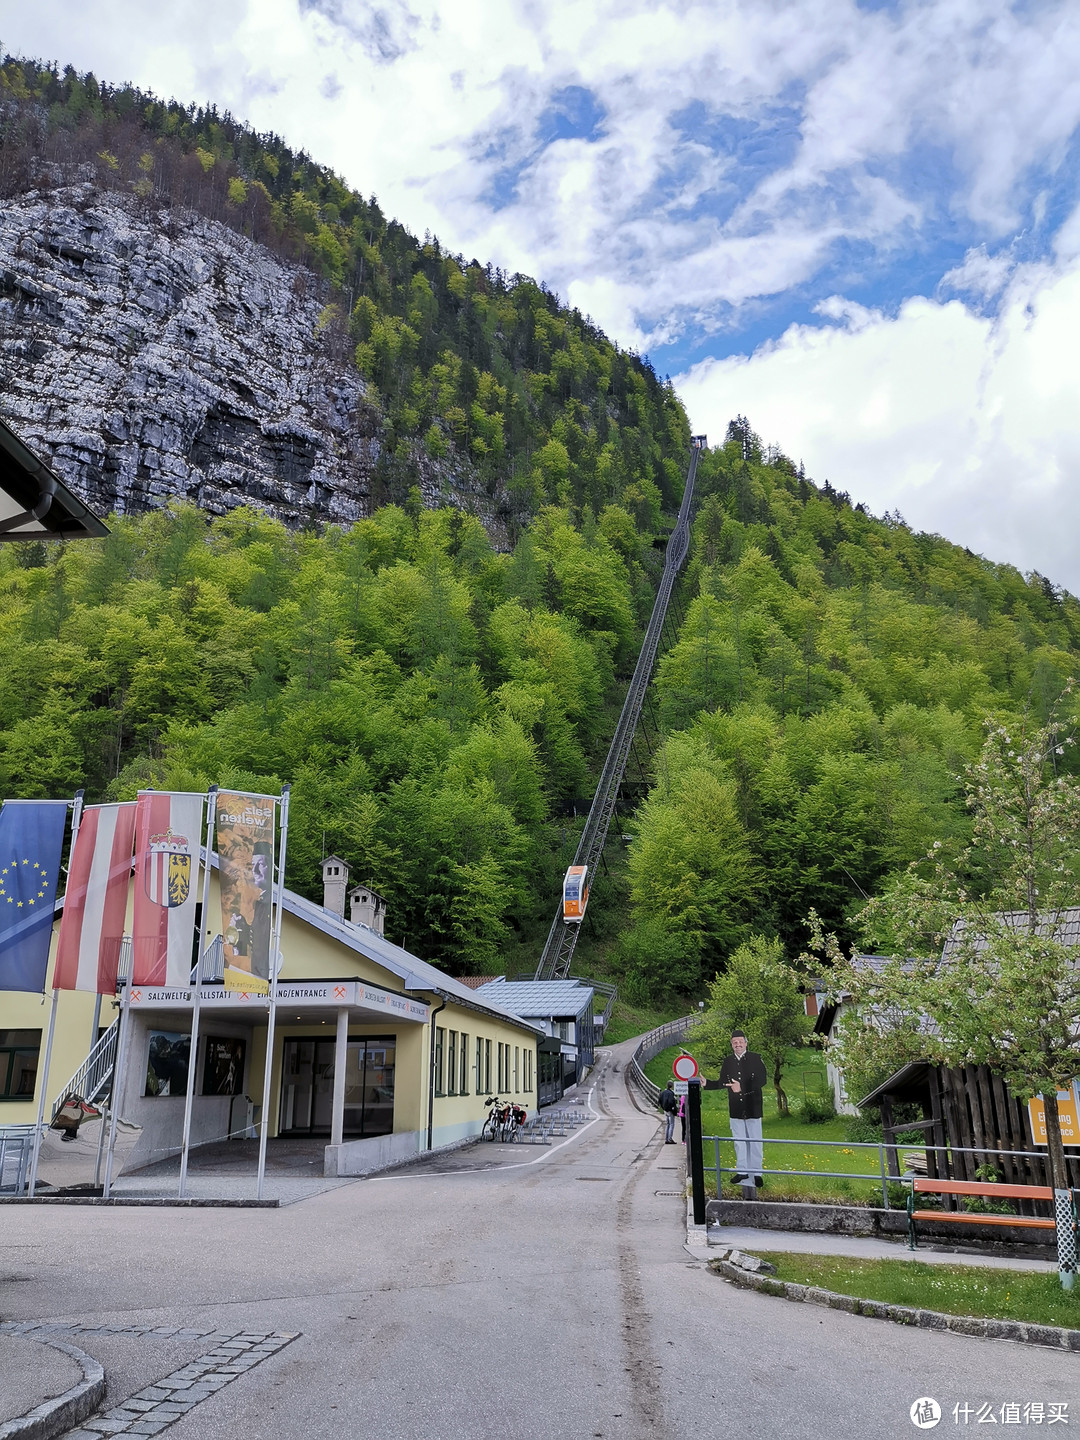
<point>167,830</point>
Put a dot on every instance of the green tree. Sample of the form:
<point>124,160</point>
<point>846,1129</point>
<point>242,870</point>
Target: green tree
<point>984,971</point>
<point>758,993</point>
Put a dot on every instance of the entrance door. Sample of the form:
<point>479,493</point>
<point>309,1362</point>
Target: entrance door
<point>307,1087</point>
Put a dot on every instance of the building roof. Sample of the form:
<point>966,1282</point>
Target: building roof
<point>475,981</point>
<point>539,997</point>
<point>907,1083</point>
<point>1062,926</point>
<point>414,973</point>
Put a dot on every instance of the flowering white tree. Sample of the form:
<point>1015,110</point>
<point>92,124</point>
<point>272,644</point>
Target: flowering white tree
<point>987,943</point>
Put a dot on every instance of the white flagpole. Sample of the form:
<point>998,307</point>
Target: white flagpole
<point>75,822</point>
<point>275,966</point>
<point>211,812</point>
<point>119,1076</point>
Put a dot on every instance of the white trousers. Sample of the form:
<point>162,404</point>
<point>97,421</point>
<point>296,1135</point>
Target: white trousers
<point>748,1146</point>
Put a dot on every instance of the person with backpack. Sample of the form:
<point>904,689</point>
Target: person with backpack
<point>669,1105</point>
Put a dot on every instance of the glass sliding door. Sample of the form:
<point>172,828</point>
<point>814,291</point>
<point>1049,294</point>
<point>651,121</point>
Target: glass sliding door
<point>307,1086</point>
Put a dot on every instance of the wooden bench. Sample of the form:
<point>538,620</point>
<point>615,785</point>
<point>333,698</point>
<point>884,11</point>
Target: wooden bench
<point>985,1190</point>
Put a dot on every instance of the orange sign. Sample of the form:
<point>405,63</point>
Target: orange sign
<point>1068,1118</point>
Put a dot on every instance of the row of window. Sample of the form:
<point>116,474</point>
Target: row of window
<point>513,1065</point>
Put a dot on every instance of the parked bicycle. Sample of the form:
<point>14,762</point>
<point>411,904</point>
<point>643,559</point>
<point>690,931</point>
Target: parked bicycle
<point>504,1120</point>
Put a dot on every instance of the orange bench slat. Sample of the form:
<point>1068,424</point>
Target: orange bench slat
<point>987,1189</point>
<point>975,1218</point>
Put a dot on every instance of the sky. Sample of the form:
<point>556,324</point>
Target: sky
<point>857,224</point>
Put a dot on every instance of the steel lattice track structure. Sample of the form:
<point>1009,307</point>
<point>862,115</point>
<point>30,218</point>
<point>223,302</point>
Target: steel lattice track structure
<point>562,938</point>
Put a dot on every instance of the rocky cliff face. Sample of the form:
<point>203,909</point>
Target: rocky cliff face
<point>151,354</point>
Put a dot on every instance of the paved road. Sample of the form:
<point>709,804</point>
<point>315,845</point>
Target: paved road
<point>548,1297</point>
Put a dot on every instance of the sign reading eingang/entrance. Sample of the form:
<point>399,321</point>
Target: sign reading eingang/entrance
<point>295,994</point>
<point>1068,1117</point>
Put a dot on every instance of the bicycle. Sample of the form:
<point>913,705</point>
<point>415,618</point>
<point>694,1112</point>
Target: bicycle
<point>493,1121</point>
<point>503,1121</point>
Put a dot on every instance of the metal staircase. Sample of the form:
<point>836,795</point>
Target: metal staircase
<point>562,938</point>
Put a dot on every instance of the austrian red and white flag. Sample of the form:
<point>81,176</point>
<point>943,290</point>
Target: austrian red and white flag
<point>95,902</point>
<point>167,836</point>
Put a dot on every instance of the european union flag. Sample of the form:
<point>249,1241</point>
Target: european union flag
<point>31,842</point>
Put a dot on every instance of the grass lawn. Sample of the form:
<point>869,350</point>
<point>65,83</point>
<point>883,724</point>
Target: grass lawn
<point>804,1074</point>
<point>626,1022</point>
<point>954,1289</point>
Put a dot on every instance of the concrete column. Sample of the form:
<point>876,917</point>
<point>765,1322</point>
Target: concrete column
<point>341,1050</point>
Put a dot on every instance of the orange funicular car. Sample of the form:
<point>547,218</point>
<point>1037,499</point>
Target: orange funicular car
<point>575,894</point>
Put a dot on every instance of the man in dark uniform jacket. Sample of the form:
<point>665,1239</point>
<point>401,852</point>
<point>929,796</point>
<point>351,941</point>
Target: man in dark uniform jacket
<point>743,1075</point>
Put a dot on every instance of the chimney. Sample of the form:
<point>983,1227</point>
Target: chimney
<point>335,879</point>
<point>367,908</point>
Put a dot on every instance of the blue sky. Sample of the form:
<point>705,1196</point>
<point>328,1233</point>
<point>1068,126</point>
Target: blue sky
<point>856,223</point>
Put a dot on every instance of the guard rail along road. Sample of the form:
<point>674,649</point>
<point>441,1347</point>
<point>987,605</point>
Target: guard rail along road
<point>673,1033</point>
<point>559,947</point>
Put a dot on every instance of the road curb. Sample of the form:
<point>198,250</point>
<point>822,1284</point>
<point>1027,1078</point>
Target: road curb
<point>1052,1337</point>
<point>63,1412</point>
<point>152,1201</point>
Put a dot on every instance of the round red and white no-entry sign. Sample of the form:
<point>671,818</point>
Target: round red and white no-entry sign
<point>685,1067</point>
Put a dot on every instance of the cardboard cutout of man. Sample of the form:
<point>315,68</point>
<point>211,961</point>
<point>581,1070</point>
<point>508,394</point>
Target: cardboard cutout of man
<point>743,1075</point>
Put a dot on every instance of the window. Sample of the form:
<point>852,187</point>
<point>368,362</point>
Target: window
<point>18,1063</point>
<point>440,1046</point>
<point>528,1070</point>
<point>517,1087</point>
<point>487,1067</point>
<point>451,1065</point>
<point>479,1066</point>
<point>463,1077</point>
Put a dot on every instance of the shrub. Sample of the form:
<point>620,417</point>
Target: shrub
<point>817,1109</point>
<point>863,1129</point>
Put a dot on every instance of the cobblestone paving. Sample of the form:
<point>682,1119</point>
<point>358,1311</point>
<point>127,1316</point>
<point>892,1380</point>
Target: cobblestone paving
<point>150,1410</point>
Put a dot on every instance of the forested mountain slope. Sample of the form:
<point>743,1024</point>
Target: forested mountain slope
<point>190,310</point>
<point>830,679</point>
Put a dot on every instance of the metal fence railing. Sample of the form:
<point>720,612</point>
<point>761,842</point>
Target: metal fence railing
<point>883,1178</point>
<point>16,1149</point>
<point>673,1033</point>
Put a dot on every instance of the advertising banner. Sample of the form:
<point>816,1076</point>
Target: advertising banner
<point>245,840</point>
<point>167,829</point>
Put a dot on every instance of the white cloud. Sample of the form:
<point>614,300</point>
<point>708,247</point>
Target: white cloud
<point>980,274</point>
<point>966,424</point>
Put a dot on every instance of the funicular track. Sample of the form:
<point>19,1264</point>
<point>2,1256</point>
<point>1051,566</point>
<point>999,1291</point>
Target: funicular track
<point>562,938</point>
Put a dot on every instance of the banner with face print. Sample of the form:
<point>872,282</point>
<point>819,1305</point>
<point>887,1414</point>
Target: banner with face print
<point>245,841</point>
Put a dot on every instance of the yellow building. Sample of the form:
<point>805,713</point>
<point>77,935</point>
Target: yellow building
<point>374,1049</point>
